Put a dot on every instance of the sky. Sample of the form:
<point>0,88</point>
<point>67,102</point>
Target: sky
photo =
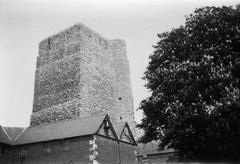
<point>24,23</point>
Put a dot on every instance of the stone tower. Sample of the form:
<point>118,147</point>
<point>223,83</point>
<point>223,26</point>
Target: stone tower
<point>80,73</point>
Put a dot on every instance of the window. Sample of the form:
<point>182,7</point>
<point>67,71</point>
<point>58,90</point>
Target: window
<point>70,162</point>
<point>66,146</point>
<point>47,148</point>
<point>22,152</point>
<point>4,150</point>
<point>107,128</point>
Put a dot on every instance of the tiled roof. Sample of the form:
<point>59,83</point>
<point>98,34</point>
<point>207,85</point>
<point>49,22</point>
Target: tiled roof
<point>60,130</point>
<point>4,138</point>
<point>13,132</point>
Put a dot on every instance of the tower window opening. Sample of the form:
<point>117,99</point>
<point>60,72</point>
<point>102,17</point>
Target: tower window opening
<point>49,44</point>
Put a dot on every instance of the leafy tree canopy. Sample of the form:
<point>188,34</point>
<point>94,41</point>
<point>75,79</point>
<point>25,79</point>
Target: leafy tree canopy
<point>194,78</point>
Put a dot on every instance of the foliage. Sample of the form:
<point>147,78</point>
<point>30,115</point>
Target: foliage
<point>194,78</point>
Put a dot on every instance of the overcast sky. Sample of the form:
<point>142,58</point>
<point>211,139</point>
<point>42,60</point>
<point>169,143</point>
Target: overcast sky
<point>24,23</point>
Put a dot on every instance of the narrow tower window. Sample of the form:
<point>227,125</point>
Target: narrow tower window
<point>49,44</point>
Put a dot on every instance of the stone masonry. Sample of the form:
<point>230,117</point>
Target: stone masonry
<point>80,73</point>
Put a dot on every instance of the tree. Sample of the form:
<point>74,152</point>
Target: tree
<point>194,79</point>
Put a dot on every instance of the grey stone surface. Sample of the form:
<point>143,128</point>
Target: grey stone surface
<point>80,73</point>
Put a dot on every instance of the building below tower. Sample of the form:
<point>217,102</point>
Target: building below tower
<point>92,140</point>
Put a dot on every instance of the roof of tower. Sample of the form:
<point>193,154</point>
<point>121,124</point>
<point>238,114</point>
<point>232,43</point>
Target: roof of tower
<point>60,130</point>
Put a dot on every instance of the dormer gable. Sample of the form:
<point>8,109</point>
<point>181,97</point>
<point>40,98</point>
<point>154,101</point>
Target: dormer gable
<point>126,135</point>
<point>106,129</point>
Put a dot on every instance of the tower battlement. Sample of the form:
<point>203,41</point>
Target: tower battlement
<point>80,73</point>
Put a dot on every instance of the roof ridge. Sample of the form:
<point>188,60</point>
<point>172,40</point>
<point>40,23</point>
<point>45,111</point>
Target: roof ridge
<point>13,127</point>
<point>56,131</point>
<point>65,120</point>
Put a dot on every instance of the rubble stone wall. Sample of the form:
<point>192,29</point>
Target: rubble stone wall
<point>80,73</point>
<point>122,83</point>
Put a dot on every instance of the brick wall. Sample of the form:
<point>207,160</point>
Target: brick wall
<point>80,73</point>
<point>128,153</point>
<point>74,150</point>
<point>113,152</point>
<point>5,154</point>
<point>107,150</point>
<point>86,149</point>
